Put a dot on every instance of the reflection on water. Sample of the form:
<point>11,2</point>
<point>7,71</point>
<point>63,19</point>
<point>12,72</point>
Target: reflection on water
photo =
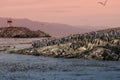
<point>23,67</point>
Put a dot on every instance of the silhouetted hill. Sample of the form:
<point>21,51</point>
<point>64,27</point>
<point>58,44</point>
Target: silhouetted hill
<point>20,32</point>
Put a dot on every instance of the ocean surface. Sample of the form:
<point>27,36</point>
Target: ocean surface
<point>27,67</point>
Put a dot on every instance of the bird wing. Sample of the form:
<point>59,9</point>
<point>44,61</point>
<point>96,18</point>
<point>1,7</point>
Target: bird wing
<point>101,3</point>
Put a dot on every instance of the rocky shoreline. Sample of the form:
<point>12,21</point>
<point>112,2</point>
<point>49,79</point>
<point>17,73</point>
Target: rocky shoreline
<point>100,45</point>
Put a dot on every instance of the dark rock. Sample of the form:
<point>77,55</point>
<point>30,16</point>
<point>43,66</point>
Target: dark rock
<point>30,51</point>
<point>109,55</point>
<point>20,32</point>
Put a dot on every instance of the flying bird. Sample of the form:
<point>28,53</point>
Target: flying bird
<point>103,3</point>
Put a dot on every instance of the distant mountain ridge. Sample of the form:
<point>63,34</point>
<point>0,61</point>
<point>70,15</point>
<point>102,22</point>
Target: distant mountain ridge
<point>54,29</point>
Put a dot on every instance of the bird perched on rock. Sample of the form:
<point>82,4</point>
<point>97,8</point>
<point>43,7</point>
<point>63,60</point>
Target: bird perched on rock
<point>103,3</point>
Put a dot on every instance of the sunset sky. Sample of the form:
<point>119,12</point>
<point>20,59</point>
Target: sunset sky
<point>74,12</point>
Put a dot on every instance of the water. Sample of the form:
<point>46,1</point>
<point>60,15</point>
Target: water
<point>26,67</point>
<point>19,43</point>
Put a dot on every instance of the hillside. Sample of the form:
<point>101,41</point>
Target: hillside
<point>20,32</point>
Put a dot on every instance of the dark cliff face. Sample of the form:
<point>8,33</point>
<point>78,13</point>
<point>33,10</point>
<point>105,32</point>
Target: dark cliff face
<point>20,32</point>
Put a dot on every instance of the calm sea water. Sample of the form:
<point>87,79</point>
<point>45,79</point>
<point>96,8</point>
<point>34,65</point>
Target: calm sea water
<point>25,67</point>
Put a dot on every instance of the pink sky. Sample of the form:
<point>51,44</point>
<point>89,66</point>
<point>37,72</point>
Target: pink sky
<point>74,12</point>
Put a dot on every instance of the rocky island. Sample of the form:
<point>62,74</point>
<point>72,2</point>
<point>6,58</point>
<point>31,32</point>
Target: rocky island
<point>100,45</point>
<point>20,32</point>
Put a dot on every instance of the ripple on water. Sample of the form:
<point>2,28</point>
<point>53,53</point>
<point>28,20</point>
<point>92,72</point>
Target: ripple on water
<point>26,67</point>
